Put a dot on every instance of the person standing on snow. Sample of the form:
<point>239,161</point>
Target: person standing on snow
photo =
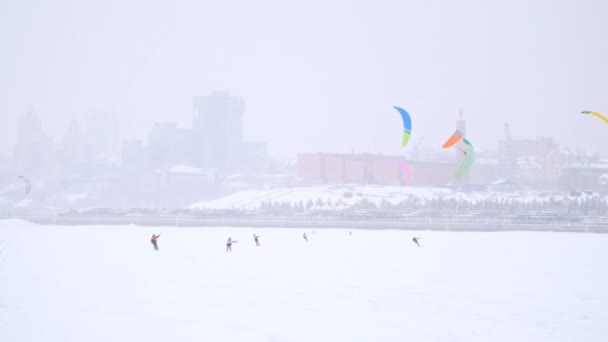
<point>256,239</point>
<point>153,241</point>
<point>305,237</point>
<point>415,239</point>
<point>229,244</point>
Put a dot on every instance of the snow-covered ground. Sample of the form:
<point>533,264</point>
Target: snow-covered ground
<point>99,283</point>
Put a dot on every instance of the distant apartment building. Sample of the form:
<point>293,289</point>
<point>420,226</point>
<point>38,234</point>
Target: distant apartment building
<point>534,163</point>
<point>254,157</point>
<point>510,149</point>
<point>34,151</point>
<point>485,170</point>
<point>215,141</point>
<point>585,176</point>
<point>556,162</point>
<point>170,145</point>
<point>74,145</point>
<point>103,137</point>
<point>217,124</point>
<point>134,153</point>
<point>434,173</point>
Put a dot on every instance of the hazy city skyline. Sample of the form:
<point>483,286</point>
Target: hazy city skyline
<point>315,76</point>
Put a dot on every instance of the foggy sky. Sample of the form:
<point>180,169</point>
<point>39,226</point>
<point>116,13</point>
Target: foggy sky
<point>315,75</point>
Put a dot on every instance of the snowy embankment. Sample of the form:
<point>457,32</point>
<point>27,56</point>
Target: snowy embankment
<point>338,197</point>
<point>107,284</point>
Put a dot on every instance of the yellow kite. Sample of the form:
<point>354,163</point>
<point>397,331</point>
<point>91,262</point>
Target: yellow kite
<point>599,115</point>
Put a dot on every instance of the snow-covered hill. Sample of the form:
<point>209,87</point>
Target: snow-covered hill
<point>345,196</point>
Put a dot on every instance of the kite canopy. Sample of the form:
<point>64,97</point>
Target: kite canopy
<point>465,163</point>
<point>407,125</point>
<point>455,138</point>
<point>599,115</point>
<point>458,140</point>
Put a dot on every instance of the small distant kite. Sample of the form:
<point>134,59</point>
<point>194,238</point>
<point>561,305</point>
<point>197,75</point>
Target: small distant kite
<point>28,185</point>
<point>463,145</point>
<point>407,125</point>
<point>599,115</point>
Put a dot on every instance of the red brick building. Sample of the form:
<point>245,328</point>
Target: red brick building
<point>317,168</point>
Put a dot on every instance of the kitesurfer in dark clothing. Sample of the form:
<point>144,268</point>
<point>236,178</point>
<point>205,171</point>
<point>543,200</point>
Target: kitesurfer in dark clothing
<point>416,241</point>
<point>229,244</point>
<point>305,237</point>
<point>153,240</point>
<point>256,239</point>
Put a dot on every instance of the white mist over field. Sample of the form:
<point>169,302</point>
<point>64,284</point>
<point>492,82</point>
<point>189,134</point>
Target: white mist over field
<point>94,283</point>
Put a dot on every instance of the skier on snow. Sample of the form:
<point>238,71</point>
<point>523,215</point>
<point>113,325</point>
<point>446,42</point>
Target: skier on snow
<point>256,239</point>
<point>153,241</point>
<point>229,244</point>
<point>415,239</point>
<point>305,237</point>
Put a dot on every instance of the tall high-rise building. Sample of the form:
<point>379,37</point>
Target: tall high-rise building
<point>217,121</point>
<point>133,152</point>
<point>510,149</point>
<point>103,137</point>
<point>505,155</point>
<point>461,124</point>
<point>170,145</point>
<point>74,144</point>
<point>33,150</point>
